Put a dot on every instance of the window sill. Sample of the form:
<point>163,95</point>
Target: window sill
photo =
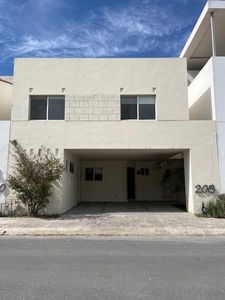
<point>46,120</point>
<point>138,120</point>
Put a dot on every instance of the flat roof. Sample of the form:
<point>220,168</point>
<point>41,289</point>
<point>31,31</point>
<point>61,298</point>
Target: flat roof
<point>198,48</point>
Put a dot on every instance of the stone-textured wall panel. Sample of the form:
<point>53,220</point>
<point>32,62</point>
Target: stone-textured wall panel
<point>92,107</point>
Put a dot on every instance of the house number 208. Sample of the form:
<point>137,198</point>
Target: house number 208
<point>205,189</point>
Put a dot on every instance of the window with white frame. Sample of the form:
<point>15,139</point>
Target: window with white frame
<point>138,107</point>
<point>93,174</point>
<point>47,108</point>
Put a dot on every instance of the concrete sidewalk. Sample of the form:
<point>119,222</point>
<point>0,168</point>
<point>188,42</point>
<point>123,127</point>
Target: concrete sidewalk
<point>174,223</point>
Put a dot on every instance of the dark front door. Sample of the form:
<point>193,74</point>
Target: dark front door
<point>131,183</point>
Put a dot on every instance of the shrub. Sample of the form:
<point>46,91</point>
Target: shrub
<point>33,177</point>
<point>173,176</point>
<point>216,209</point>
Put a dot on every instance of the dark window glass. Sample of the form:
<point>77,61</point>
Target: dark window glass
<point>38,108</point>
<point>146,111</point>
<point>89,172</point>
<point>71,168</point>
<point>146,107</point>
<point>56,108</point>
<point>98,174</point>
<point>128,108</point>
<point>144,171</point>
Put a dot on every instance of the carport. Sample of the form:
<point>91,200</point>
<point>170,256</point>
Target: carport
<point>115,176</point>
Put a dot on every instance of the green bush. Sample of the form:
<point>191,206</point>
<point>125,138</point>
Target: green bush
<point>33,177</point>
<point>216,209</point>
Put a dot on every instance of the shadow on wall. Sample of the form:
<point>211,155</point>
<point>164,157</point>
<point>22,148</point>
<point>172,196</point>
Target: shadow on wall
<point>55,201</point>
<point>15,207</point>
<point>202,108</point>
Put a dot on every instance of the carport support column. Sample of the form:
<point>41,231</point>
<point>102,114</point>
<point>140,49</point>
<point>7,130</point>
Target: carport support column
<point>188,181</point>
<point>213,34</point>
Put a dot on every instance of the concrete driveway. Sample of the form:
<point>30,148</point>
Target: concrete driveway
<point>125,207</point>
<point>118,219</point>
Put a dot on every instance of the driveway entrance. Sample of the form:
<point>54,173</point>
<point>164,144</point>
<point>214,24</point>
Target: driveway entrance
<point>129,207</point>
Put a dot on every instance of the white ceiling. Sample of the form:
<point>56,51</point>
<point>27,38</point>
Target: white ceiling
<point>122,154</point>
<point>198,48</point>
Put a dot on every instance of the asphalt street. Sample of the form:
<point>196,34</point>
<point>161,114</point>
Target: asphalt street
<point>108,268</point>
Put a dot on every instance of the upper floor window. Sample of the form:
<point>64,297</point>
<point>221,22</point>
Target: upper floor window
<point>47,108</point>
<point>138,107</point>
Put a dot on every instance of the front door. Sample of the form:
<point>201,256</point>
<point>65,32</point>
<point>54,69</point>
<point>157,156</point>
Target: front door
<point>130,183</point>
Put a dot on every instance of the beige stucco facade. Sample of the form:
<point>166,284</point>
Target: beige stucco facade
<point>95,84</point>
<point>94,136</point>
<point>6,91</point>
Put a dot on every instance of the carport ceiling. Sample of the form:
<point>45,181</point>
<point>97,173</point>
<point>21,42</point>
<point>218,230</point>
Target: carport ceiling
<point>122,154</point>
<point>198,48</point>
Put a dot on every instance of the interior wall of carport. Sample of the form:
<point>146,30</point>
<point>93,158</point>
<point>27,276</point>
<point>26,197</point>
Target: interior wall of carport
<point>148,188</point>
<point>111,188</point>
<point>114,184</point>
<point>70,181</point>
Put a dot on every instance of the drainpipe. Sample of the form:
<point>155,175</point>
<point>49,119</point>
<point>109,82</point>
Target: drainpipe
<point>213,34</point>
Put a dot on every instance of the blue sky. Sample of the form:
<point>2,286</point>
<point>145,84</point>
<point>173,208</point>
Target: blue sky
<point>94,28</point>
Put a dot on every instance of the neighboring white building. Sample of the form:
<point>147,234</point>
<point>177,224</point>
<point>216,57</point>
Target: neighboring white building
<point>205,53</point>
<point>6,89</point>
<point>110,120</point>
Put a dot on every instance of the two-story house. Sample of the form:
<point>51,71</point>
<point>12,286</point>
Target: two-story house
<point>110,120</point>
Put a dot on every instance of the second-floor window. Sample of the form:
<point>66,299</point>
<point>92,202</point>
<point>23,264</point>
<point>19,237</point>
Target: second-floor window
<point>47,108</point>
<point>138,107</point>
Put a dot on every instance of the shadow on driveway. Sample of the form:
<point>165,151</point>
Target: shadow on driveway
<point>96,209</point>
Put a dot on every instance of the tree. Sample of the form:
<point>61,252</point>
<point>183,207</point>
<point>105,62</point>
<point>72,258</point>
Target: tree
<point>33,177</point>
<point>173,176</point>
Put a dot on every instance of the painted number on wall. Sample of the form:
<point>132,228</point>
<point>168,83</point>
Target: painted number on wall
<point>205,189</point>
<point>2,187</point>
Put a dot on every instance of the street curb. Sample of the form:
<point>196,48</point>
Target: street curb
<point>167,231</point>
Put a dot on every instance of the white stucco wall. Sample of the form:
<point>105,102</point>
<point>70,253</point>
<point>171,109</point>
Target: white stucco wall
<point>220,128</point>
<point>4,142</point>
<point>70,181</point>
<point>219,87</point>
<point>200,95</point>
<point>198,136</point>
<point>146,186</point>
<point>6,91</point>
<point>105,77</point>
<point>219,97</point>
<point>206,101</point>
<point>113,187</point>
<point>113,184</point>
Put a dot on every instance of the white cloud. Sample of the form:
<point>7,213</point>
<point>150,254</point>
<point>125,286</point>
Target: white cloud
<point>42,28</point>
